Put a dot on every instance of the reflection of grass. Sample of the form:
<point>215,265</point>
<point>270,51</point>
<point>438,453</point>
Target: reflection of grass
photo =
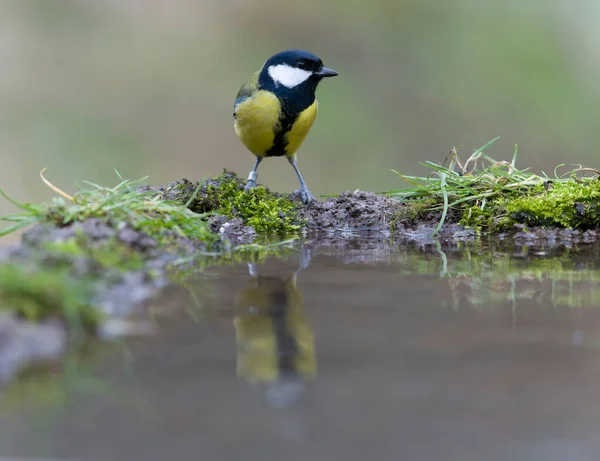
<point>485,278</point>
<point>499,194</point>
<point>49,387</point>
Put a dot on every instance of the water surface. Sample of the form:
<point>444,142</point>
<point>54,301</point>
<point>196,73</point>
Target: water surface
<point>345,352</point>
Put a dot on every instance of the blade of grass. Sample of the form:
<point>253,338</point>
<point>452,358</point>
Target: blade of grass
<point>445,197</point>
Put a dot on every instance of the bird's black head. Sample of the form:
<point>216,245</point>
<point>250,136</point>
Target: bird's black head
<point>293,74</point>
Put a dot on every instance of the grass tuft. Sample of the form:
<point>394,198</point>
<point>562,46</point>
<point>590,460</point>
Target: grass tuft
<point>494,194</point>
<point>126,203</point>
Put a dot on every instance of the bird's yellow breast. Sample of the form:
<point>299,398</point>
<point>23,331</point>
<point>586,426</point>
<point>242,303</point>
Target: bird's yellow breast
<point>258,123</point>
<point>300,128</point>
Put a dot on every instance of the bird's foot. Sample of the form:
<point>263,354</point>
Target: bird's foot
<point>305,195</point>
<point>251,184</point>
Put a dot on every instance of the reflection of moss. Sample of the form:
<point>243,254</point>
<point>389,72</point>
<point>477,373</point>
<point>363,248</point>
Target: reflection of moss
<point>266,211</point>
<point>64,280</point>
<point>46,292</point>
<point>108,254</point>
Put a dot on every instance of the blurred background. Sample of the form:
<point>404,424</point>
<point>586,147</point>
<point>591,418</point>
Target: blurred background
<point>147,87</point>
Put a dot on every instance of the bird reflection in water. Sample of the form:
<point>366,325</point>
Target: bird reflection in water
<point>275,340</point>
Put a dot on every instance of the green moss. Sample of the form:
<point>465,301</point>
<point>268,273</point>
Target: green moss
<point>568,204</point>
<point>412,212</point>
<point>46,293</point>
<point>476,218</point>
<point>572,204</point>
<point>266,211</point>
<point>488,216</point>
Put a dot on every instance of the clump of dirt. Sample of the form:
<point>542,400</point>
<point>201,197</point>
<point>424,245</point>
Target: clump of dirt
<point>352,211</point>
<point>361,211</point>
<point>232,229</point>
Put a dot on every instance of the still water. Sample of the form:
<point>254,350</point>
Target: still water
<point>346,352</point>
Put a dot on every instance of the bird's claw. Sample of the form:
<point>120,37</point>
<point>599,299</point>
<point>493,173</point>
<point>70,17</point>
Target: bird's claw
<point>251,184</point>
<point>305,195</point>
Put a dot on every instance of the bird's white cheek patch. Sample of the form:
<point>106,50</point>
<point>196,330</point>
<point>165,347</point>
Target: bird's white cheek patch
<point>288,76</point>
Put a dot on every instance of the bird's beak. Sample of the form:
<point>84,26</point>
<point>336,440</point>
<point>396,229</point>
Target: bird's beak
<point>326,72</point>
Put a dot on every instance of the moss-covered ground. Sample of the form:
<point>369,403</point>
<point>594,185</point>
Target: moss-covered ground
<point>266,212</point>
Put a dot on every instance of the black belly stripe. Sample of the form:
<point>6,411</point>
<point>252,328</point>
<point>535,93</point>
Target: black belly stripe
<point>286,122</point>
<point>293,101</point>
<point>287,348</point>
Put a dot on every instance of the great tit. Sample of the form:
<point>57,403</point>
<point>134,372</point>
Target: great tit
<point>276,107</point>
<point>276,345</point>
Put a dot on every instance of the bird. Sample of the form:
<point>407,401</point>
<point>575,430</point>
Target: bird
<point>274,336</point>
<point>276,107</point>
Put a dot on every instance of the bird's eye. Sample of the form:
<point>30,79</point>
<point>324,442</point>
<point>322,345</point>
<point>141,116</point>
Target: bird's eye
<point>301,65</point>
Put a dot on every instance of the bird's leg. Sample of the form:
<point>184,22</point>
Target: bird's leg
<point>252,270</point>
<point>253,175</point>
<point>305,259</point>
<point>306,197</point>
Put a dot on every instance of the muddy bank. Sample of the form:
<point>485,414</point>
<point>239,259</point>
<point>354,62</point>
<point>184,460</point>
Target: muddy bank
<point>348,214</point>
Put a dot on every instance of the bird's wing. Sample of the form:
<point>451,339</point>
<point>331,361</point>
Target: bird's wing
<point>247,90</point>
